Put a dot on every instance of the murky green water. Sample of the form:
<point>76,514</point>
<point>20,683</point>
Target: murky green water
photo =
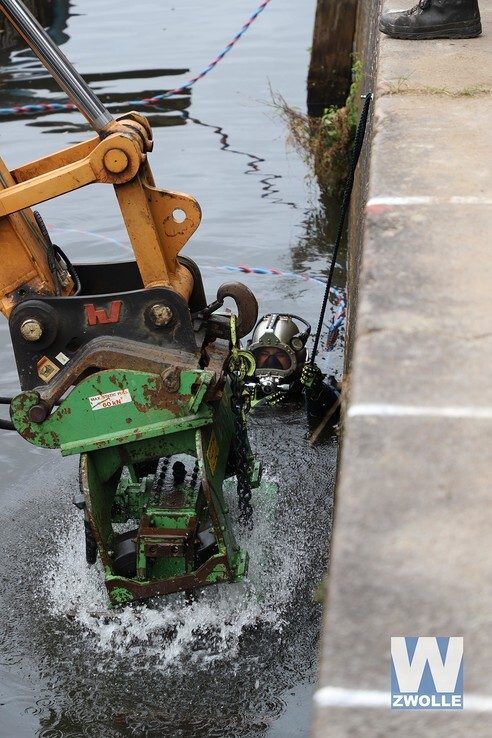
<point>241,660</point>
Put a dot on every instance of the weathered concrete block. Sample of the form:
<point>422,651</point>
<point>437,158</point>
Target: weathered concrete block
<point>411,552</point>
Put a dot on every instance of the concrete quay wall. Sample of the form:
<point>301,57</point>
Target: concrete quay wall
<point>411,551</point>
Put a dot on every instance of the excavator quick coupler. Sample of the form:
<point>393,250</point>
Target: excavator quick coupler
<point>125,363</point>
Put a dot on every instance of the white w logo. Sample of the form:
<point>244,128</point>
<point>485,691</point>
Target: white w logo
<point>444,673</point>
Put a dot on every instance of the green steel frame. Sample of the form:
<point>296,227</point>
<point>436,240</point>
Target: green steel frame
<point>119,420</point>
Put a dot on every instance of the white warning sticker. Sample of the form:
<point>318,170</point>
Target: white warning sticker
<point>62,358</point>
<point>110,399</point>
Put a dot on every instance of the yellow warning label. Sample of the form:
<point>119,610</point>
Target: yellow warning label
<point>47,369</point>
<point>213,453</point>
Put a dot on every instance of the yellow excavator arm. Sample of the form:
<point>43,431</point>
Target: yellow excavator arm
<point>158,222</point>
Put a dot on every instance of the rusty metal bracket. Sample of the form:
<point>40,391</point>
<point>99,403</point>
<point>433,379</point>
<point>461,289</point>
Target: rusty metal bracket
<point>218,326</point>
<point>109,353</point>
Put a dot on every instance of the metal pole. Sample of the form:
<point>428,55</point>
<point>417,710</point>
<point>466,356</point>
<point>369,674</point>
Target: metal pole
<point>57,64</point>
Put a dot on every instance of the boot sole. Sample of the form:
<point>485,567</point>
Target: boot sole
<point>451,30</point>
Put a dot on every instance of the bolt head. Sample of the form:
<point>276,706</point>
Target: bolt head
<point>38,413</point>
<point>31,330</point>
<point>171,379</point>
<point>160,314</point>
<point>115,161</point>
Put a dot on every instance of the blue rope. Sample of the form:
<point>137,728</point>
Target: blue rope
<point>48,107</point>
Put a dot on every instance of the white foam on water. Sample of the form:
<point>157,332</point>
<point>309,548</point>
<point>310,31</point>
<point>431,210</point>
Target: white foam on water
<point>207,629</point>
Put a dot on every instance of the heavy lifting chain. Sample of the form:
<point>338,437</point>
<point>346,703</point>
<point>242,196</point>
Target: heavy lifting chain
<point>240,366</point>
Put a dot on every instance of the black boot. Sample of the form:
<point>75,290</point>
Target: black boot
<point>434,19</point>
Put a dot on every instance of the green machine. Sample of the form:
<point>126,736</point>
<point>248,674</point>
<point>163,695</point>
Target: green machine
<point>125,363</point>
<point>157,446</point>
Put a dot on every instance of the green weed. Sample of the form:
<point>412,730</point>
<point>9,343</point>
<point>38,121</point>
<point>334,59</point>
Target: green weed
<point>324,143</point>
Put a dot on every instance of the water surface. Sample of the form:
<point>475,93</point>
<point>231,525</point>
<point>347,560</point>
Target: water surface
<point>241,660</point>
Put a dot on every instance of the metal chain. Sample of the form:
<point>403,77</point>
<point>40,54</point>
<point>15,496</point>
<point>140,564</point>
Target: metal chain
<point>241,451</point>
<point>241,364</point>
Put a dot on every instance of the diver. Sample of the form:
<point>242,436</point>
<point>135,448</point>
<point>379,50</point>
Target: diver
<point>284,371</point>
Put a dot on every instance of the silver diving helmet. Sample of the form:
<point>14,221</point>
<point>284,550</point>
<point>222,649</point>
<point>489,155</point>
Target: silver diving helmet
<point>279,347</point>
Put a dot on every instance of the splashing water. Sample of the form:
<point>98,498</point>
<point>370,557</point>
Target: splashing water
<point>222,665</point>
<point>170,629</point>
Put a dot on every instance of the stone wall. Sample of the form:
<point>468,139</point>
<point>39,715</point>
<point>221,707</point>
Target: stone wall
<point>410,553</point>
<point>365,50</point>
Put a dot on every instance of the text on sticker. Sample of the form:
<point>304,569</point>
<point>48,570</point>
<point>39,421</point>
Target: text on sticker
<point>110,399</point>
